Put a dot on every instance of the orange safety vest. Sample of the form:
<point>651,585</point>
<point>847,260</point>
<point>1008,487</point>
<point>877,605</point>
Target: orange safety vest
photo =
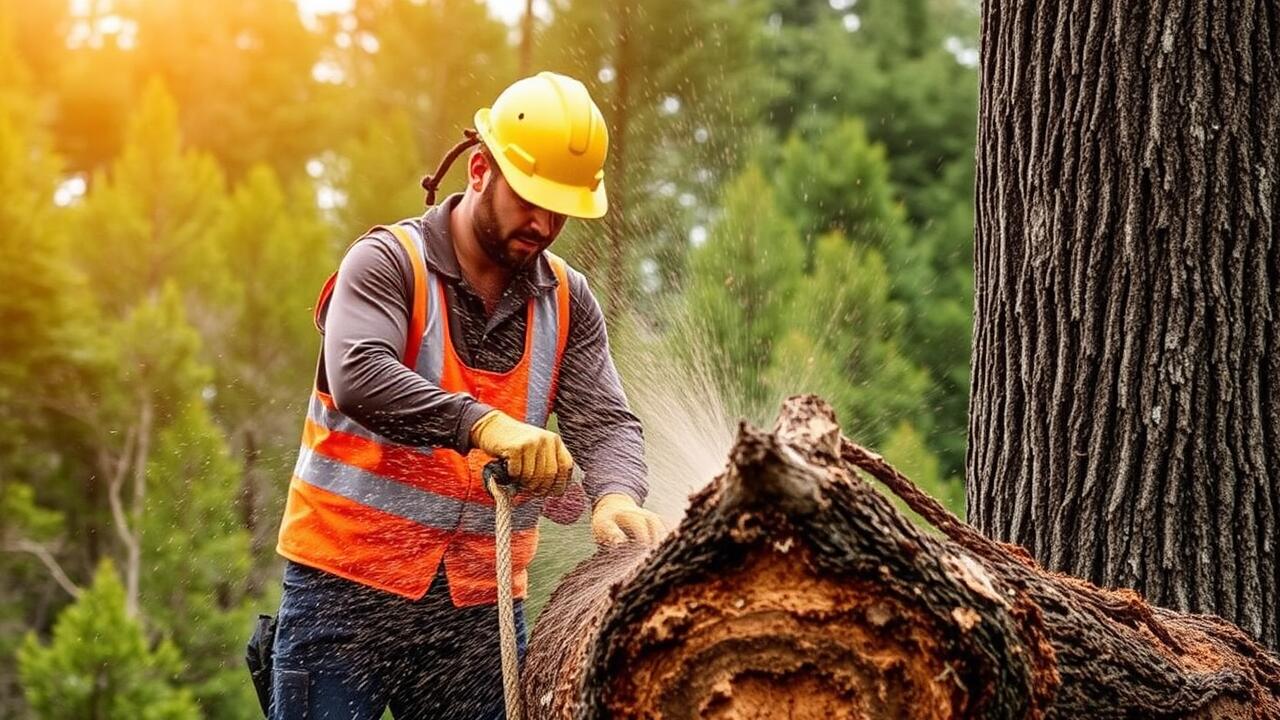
<point>385,514</point>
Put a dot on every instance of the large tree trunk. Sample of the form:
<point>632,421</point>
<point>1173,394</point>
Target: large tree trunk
<point>1125,407</point>
<point>793,588</point>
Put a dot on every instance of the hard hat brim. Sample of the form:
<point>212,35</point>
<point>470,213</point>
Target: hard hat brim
<point>572,200</point>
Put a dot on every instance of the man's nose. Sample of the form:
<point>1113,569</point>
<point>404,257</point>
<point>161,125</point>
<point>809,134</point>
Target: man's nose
<point>543,221</point>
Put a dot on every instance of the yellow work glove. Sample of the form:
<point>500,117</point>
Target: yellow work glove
<point>536,459</point>
<point>617,519</point>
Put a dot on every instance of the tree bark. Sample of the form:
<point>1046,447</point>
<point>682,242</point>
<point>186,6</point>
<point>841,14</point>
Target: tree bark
<point>1125,407</point>
<point>793,586</point>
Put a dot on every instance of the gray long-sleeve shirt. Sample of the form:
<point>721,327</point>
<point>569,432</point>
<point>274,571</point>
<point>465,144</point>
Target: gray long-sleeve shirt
<point>365,329</point>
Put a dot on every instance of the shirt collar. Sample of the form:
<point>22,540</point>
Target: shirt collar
<point>443,259</point>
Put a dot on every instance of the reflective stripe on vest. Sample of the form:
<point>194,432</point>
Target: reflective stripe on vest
<point>386,514</point>
<point>397,498</point>
<point>542,365</point>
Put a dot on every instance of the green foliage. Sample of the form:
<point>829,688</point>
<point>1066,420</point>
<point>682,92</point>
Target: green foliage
<point>379,174</point>
<point>893,69</point>
<point>277,247</point>
<point>839,182</point>
<point>99,664</point>
<point>191,512</point>
<point>165,316</point>
<point>742,282</point>
<point>158,355</point>
<point>681,85</point>
<point>906,450</point>
<point>843,343</point>
<point>437,62</point>
<point>151,214</point>
<point>242,72</point>
<point>37,305</point>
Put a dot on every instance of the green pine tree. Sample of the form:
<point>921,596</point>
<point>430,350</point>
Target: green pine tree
<point>378,174</point>
<point>263,351</point>
<point>148,219</point>
<point>99,664</point>
<point>680,86</point>
<point>201,606</point>
<point>742,284</point>
<point>843,343</point>
<point>839,182</point>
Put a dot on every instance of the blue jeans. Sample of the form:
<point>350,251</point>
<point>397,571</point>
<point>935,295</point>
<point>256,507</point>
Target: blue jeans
<point>347,651</point>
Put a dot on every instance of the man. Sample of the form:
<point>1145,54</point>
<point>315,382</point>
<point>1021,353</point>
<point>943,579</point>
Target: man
<point>448,340</point>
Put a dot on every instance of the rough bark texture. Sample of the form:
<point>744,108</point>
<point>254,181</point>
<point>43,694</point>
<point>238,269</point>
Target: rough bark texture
<point>1125,407</point>
<point>794,588</point>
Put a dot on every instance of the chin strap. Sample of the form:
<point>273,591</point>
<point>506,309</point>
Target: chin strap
<point>431,182</point>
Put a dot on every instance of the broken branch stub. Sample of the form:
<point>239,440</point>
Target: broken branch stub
<point>793,586</point>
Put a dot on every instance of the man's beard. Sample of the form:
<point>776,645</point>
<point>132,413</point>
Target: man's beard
<point>492,242</point>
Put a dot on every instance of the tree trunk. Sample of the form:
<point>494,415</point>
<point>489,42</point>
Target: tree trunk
<point>1125,408</point>
<point>617,225</point>
<point>793,586</point>
<point>526,40</point>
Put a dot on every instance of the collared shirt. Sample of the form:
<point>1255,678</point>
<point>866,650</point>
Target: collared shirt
<point>368,320</point>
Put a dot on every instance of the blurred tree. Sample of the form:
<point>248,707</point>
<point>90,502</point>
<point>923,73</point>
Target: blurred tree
<point>40,302</point>
<point>839,182</point>
<point>150,215</point>
<point>902,65</point>
<point>840,179</point>
<point>742,283</point>
<point>378,174</point>
<point>242,72</point>
<point>277,248</point>
<point>907,68</point>
<point>166,467</point>
<point>240,69</point>
<point>680,89</point>
<point>203,607</point>
<point>47,332</point>
<point>32,29</point>
<point>99,663</point>
<point>842,342</point>
<point>427,65</point>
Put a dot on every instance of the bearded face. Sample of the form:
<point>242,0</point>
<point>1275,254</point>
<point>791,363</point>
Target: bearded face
<point>511,231</point>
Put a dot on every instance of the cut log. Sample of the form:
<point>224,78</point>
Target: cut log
<point>793,588</point>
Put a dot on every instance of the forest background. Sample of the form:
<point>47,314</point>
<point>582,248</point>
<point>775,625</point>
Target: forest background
<point>791,184</point>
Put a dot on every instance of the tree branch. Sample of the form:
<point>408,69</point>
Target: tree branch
<point>133,570</point>
<point>46,557</point>
<point>119,515</point>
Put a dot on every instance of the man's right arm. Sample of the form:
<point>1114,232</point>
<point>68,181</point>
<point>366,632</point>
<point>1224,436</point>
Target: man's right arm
<point>366,328</point>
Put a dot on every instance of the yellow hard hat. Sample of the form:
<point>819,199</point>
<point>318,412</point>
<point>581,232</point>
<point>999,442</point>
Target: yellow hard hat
<point>550,141</point>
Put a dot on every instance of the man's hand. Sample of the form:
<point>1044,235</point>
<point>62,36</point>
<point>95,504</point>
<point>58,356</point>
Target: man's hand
<point>617,518</point>
<point>536,459</point>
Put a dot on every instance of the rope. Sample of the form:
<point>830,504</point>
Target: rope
<point>431,183</point>
<point>1126,610</point>
<point>506,606</point>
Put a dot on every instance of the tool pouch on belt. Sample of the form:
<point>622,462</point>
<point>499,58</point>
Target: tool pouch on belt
<point>258,656</point>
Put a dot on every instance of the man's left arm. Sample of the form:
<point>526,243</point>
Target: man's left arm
<point>603,435</point>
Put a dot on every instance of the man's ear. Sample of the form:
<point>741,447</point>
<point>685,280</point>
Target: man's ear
<point>477,167</point>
